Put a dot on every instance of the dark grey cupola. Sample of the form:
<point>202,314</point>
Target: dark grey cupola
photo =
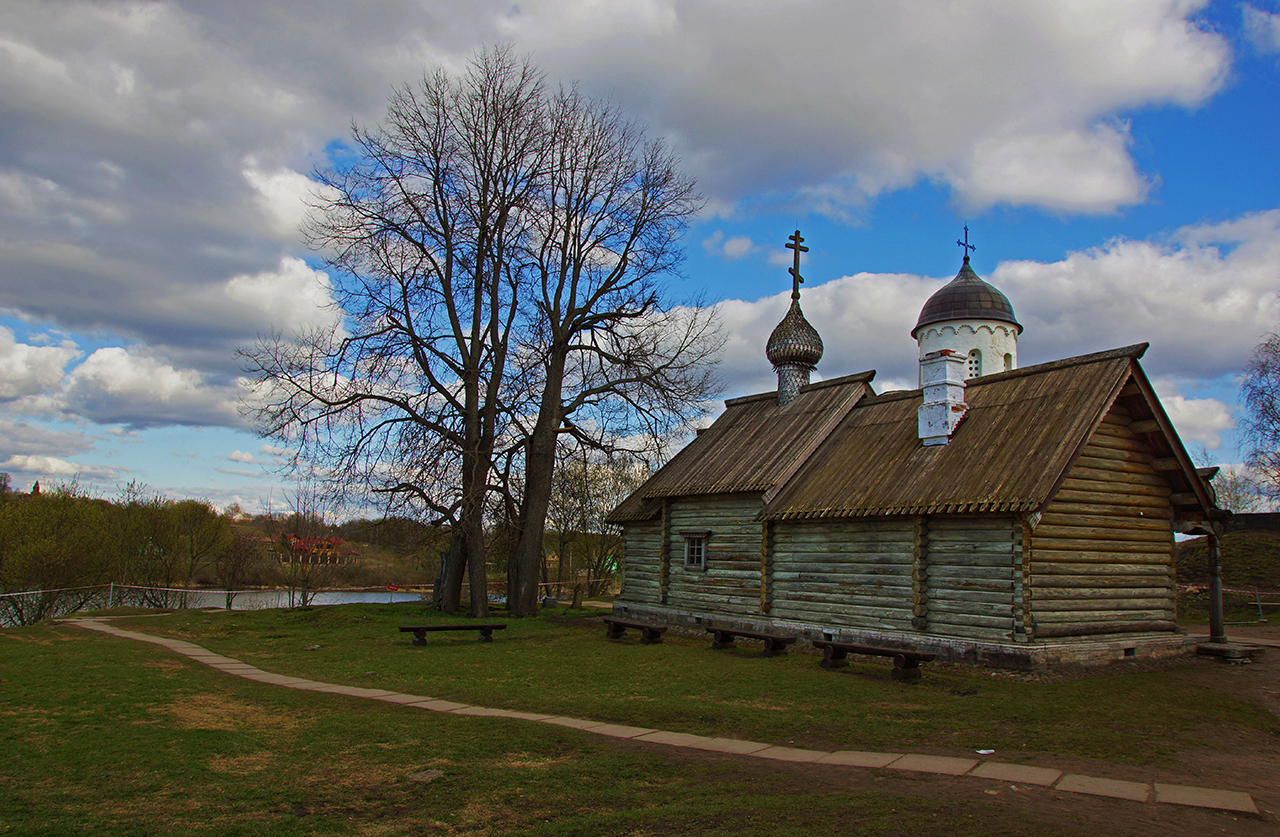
<point>794,347</point>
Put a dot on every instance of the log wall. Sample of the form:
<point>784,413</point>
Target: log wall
<point>641,567</point>
<point>974,571</point>
<point>1101,557</point>
<point>848,573</point>
<point>730,584</point>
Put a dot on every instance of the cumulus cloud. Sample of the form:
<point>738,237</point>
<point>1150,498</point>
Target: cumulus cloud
<point>888,93</point>
<point>48,466</point>
<point>1262,28</point>
<point>1200,421</point>
<point>27,370</point>
<point>19,437</point>
<point>241,456</point>
<point>1203,299</point>
<point>115,386</point>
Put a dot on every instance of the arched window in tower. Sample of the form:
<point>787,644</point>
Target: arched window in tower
<point>975,363</point>
<point>1008,362</point>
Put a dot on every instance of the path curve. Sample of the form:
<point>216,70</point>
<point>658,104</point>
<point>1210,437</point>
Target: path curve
<point>1145,792</point>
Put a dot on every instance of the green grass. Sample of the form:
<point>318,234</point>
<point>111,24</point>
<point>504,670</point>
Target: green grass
<point>565,666</point>
<point>106,736</point>
<point>1249,559</point>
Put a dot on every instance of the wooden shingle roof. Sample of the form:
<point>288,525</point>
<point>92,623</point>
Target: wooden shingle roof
<point>752,447</point>
<point>1022,431</point>
<point>839,450</point>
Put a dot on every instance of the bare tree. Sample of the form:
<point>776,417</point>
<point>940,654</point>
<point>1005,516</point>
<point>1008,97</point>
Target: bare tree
<point>425,229</point>
<point>498,250</point>
<point>1260,426</point>
<point>608,356</point>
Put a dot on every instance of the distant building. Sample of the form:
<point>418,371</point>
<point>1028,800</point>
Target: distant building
<point>1017,517</point>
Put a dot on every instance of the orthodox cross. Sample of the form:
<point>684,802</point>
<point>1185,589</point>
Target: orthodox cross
<point>965,244</point>
<point>794,243</point>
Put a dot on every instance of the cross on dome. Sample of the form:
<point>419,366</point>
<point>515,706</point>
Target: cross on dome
<point>965,244</point>
<point>794,242</point>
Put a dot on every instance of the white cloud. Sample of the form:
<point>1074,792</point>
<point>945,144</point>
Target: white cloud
<point>1203,300</point>
<point>888,93</point>
<point>290,298</point>
<point>1081,170</point>
<point>27,370</point>
<point>1262,28</point>
<point>284,195</point>
<point>1200,421</point>
<point>48,466</point>
<point>241,456</point>
<point>114,386</point>
<point>734,248</point>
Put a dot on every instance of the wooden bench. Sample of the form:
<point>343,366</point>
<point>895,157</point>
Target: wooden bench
<point>420,631</point>
<point>617,629</point>
<point>774,644</point>
<point>906,664</point>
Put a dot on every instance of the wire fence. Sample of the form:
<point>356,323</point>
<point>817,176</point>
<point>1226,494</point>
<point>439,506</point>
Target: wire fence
<point>1234,599</point>
<point>26,607</point>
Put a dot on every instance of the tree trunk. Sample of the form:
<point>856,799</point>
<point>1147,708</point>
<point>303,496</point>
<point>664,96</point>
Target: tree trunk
<point>539,466</point>
<point>448,593</point>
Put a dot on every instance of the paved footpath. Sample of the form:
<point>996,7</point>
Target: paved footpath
<point>1147,792</point>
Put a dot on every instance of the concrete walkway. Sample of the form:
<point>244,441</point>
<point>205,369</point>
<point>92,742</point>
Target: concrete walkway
<point>1149,792</point>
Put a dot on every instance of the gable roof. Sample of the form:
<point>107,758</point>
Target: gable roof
<point>839,450</point>
<point>753,446</point>
<point>1022,433</point>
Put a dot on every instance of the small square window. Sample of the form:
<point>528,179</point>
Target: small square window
<point>695,552</point>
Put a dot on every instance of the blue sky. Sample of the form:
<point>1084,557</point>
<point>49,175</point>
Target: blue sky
<point>1115,163</point>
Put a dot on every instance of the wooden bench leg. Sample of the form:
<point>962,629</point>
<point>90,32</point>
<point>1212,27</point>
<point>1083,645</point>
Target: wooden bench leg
<point>722,639</point>
<point>904,669</point>
<point>419,637</point>
<point>648,636</point>
<point>834,658</point>
<point>773,648</point>
<point>486,634</point>
<point>614,631</point>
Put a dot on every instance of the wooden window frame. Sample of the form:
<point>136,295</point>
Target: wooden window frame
<point>701,538</point>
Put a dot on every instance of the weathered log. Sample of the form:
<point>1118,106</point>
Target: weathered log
<point>1098,456</point>
<point>1126,615</point>
<point>1098,557</point>
<point>1108,492</point>
<point>1085,544</point>
<point>1061,532</point>
<point>1060,514</point>
<point>1160,601</point>
<point>1155,508</point>
<point>1084,581</point>
<point>1119,476</point>
<point>938,618</point>
<point>1063,629</point>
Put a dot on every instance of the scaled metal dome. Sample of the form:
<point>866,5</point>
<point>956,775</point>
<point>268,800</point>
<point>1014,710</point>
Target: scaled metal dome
<point>794,341</point>
<point>966,297</point>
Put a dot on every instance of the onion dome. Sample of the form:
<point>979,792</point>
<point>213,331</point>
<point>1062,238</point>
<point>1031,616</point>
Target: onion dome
<point>794,341</point>
<point>966,297</point>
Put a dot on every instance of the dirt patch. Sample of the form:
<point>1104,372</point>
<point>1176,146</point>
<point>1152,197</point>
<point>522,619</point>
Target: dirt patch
<point>241,765</point>
<point>216,712</point>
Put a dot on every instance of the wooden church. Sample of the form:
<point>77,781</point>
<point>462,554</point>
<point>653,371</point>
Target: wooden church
<point>1015,517</point>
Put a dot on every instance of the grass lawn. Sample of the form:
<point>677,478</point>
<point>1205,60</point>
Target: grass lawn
<point>108,736</point>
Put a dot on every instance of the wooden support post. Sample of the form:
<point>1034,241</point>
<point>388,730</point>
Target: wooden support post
<point>1217,628</point>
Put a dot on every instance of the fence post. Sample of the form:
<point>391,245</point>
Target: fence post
<point>111,595</point>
